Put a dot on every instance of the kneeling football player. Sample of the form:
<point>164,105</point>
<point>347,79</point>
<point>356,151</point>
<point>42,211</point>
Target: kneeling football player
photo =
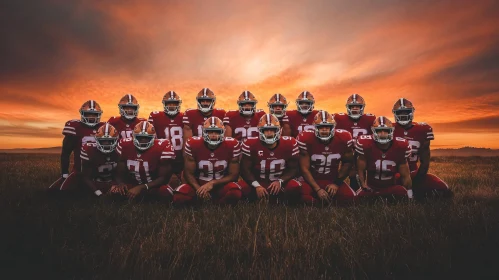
<point>383,157</point>
<point>269,163</point>
<point>211,167</point>
<point>99,160</point>
<point>148,163</point>
<point>321,152</point>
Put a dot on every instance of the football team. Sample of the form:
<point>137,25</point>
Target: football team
<point>301,156</point>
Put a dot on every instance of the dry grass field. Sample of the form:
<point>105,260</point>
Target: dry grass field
<point>83,237</point>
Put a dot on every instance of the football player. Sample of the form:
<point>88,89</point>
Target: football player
<point>241,124</point>
<point>269,163</point>
<point>211,167</point>
<point>76,134</point>
<point>419,136</point>
<point>357,123</point>
<point>277,106</point>
<point>128,119</point>
<point>147,161</point>
<point>169,125</point>
<point>383,156</point>
<point>195,118</point>
<point>321,152</point>
<point>99,160</point>
<point>302,119</point>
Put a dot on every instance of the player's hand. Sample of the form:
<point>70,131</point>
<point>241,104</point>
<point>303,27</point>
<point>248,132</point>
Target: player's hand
<point>119,189</point>
<point>275,187</point>
<point>204,191</point>
<point>410,195</point>
<point>135,191</point>
<point>331,189</point>
<point>323,195</point>
<point>366,189</point>
<point>261,192</point>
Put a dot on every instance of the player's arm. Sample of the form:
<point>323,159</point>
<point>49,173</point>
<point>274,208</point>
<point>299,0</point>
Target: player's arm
<point>228,131</point>
<point>68,144</point>
<point>164,174</point>
<point>187,130</point>
<point>361,170</point>
<point>405,175</point>
<point>121,170</point>
<point>305,170</point>
<point>346,165</point>
<point>232,174</point>
<point>286,129</point>
<point>424,160</point>
<point>290,171</point>
<point>88,174</point>
<point>189,170</point>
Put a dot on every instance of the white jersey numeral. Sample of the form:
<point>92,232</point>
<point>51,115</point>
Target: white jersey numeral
<point>322,164</point>
<point>134,168</point>
<point>246,132</point>
<point>175,135</point>
<point>383,171</point>
<point>206,169</point>
<point>276,168</point>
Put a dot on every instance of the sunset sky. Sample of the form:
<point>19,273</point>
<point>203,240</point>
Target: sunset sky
<point>442,55</point>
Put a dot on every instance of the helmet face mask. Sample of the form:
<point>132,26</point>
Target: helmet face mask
<point>205,104</point>
<point>106,138</point>
<point>129,111</point>
<point>355,111</point>
<point>267,137</point>
<point>171,107</point>
<point>278,109</point>
<point>305,106</point>
<point>247,108</point>
<point>90,113</point>
<point>382,130</point>
<point>143,135</point>
<point>324,126</point>
<point>213,136</point>
<point>403,111</point>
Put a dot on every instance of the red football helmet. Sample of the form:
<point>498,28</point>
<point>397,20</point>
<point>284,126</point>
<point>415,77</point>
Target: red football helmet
<point>213,124</point>
<point>269,122</point>
<point>129,107</point>
<point>382,129</point>
<point>171,103</point>
<point>106,138</point>
<point>324,119</point>
<point>144,135</point>
<point>90,113</point>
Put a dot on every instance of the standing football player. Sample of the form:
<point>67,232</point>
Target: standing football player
<point>321,152</point>
<point>302,119</point>
<point>148,163</point>
<point>76,134</point>
<point>128,119</point>
<point>169,125</point>
<point>195,118</point>
<point>419,136</point>
<point>269,163</point>
<point>99,160</point>
<point>357,123</point>
<point>383,156</point>
<point>211,167</point>
<point>243,123</point>
<point>277,106</point>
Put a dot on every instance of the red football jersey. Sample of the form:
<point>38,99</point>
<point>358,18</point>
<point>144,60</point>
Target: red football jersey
<point>103,164</point>
<point>361,126</point>
<point>416,135</point>
<point>382,165</point>
<point>243,127</point>
<point>83,134</point>
<point>269,164</point>
<point>124,126</point>
<point>170,128</point>
<point>143,166</point>
<point>299,122</point>
<point>325,158</point>
<point>212,164</point>
<point>195,119</point>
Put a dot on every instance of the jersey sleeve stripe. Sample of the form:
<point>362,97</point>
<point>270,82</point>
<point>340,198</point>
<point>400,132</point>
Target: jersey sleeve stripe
<point>187,145</point>
<point>359,151</point>
<point>69,131</point>
<point>188,153</point>
<point>245,150</point>
<point>246,154</point>
<point>295,153</point>
<point>167,157</point>
<point>83,157</point>
<point>69,127</point>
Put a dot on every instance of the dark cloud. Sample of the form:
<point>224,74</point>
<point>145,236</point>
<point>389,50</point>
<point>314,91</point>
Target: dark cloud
<point>484,125</point>
<point>50,40</point>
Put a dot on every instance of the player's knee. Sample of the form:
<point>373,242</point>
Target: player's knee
<point>293,187</point>
<point>183,194</point>
<point>165,191</point>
